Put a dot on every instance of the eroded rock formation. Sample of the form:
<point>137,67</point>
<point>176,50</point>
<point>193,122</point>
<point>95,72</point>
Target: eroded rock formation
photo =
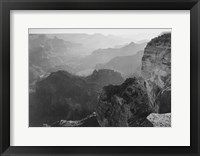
<point>132,102</point>
<point>156,69</point>
<point>160,120</point>
<point>124,105</point>
<point>64,96</point>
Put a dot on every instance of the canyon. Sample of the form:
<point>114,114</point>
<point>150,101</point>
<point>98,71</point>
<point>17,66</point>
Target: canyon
<point>107,97</point>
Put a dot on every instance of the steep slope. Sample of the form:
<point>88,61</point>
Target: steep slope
<point>126,105</point>
<point>133,102</point>
<point>63,96</point>
<point>156,69</point>
<point>126,65</point>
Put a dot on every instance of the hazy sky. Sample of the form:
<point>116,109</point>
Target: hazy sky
<point>136,34</point>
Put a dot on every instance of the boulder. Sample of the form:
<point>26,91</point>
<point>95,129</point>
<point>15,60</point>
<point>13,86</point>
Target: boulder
<point>160,120</point>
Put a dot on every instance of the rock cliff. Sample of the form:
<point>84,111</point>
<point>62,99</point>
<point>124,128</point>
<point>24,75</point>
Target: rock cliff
<point>132,102</point>
<point>124,105</point>
<point>156,69</point>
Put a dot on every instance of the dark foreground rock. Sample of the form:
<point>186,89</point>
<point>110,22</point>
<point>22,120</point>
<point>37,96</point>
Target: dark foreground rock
<point>124,105</point>
<point>129,104</point>
<point>62,95</point>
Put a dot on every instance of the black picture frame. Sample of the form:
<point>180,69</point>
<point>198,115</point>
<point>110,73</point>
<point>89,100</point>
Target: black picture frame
<point>7,5</point>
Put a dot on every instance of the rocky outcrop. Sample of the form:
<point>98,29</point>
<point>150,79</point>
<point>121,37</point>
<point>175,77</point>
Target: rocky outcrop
<point>124,105</point>
<point>64,99</point>
<point>64,96</point>
<point>156,69</point>
<point>88,121</point>
<point>160,120</point>
<point>104,77</point>
<point>132,102</point>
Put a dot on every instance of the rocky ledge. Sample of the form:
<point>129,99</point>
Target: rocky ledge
<point>160,120</point>
<point>132,102</point>
<point>89,121</point>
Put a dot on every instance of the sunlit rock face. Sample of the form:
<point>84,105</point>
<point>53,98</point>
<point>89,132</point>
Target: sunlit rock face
<point>156,69</point>
<point>160,120</point>
<point>125,105</point>
<point>132,102</point>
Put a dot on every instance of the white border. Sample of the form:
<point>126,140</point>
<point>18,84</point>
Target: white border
<point>177,135</point>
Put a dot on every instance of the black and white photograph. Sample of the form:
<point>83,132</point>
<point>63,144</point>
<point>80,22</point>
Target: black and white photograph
<point>99,77</point>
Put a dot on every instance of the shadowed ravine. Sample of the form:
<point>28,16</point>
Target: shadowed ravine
<point>106,98</point>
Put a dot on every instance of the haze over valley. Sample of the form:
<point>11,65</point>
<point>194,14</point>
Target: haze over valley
<point>75,79</point>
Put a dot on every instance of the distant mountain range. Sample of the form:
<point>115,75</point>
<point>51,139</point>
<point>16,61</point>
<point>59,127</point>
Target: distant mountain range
<point>93,41</point>
<point>48,53</point>
<point>103,98</point>
<point>133,102</point>
<point>102,56</point>
<point>126,65</point>
<point>55,45</point>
